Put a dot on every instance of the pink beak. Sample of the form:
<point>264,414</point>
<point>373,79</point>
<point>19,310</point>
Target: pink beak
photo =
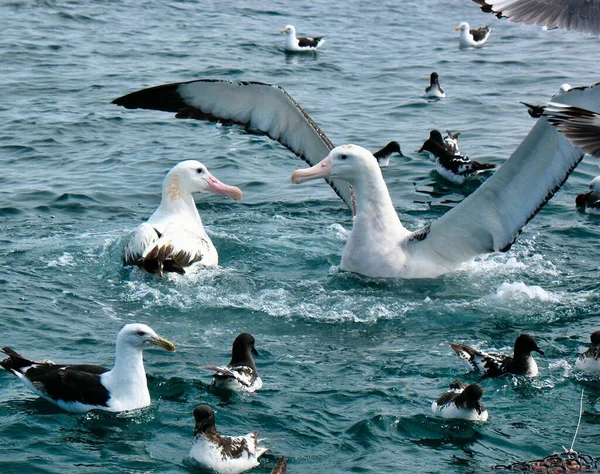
<point>320,170</point>
<point>217,187</point>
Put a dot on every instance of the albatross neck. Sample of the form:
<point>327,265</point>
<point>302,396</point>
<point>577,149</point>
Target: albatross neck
<point>374,207</point>
<point>176,200</point>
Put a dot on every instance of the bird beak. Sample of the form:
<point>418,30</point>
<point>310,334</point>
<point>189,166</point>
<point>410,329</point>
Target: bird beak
<point>217,187</point>
<point>283,31</point>
<point>320,170</point>
<point>400,153</point>
<point>539,351</point>
<point>254,351</point>
<point>160,342</point>
<point>457,28</point>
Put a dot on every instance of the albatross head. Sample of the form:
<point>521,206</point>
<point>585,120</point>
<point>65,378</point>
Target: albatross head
<point>464,26</point>
<point>140,336</point>
<point>288,30</point>
<point>191,176</point>
<point>345,162</point>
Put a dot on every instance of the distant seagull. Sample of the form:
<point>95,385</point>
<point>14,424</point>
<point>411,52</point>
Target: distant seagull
<point>434,90</point>
<point>298,45</point>
<point>462,402</point>
<point>383,155</point>
<point>223,454</point>
<point>455,168</point>
<point>472,38</point>
<point>588,361</point>
<point>174,238</point>
<point>240,375</point>
<point>494,365</point>
<point>577,15</point>
<point>451,142</point>
<point>488,220</point>
<point>281,466</point>
<point>84,387</point>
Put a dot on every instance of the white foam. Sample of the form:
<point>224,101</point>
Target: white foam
<point>65,260</point>
<point>521,292</point>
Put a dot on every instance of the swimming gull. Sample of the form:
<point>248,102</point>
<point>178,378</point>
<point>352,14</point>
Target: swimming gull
<point>300,45</point>
<point>240,375</point>
<point>223,454</point>
<point>577,15</point>
<point>472,38</point>
<point>84,387</point>
<point>461,402</point>
<point>487,221</point>
<point>173,238</point>
<point>434,90</point>
<point>494,365</point>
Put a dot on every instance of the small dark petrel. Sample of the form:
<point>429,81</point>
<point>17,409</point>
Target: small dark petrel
<point>298,45</point>
<point>588,361</point>
<point>494,365</point>
<point>84,387</point>
<point>383,155</point>
<point>472,38</point>
<point>434,90</point>
<point>240,375</point>
<point>223,454</point>
<point>281,466</point>
<point>454,168</point>
<point>461,402</point>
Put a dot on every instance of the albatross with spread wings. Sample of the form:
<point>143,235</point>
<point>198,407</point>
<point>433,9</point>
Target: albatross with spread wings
<point>489,220</point>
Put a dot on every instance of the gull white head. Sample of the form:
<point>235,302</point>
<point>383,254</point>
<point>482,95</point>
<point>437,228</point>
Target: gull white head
<point>346,162</point>
<point>190,177</point>
<point>565,88</point>
<point>464,26</point>
<point>140,336</point>
<point>289,30</point>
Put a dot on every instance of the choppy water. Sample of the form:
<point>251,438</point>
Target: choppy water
<point>350,365</point>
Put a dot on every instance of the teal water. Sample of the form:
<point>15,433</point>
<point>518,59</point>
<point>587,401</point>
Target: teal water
<point>350,365</point>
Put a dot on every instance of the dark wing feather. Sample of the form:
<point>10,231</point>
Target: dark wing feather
<point>580,126</point>
<point>577,15</point>
<point>479,33</point>
<point>254,105</point>
<point>309,42</point>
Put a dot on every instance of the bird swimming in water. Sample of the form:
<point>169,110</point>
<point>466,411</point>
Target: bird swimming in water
<point>461,402</point>
<point>434,90</point>
<point>299,45</point>
<point>472,38</point>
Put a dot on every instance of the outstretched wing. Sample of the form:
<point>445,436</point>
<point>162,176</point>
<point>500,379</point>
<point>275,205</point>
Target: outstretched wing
<point>254,105</point>
<point>578,15</point>
<point>491,218</point>
<point>580,126</point>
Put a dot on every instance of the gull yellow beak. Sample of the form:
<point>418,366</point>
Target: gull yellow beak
<point>160,342</point>
<point>457,28</point>
<point>283,31</point>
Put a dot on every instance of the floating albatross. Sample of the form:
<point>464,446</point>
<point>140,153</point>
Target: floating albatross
<point>84,387</point>
<point>173,238</point>
<point>577,15</point>
<point>487,221</point>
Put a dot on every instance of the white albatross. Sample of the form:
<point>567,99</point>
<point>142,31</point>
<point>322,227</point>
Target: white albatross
<point>577,15</point>
<point>302,44</point>
<point>83,387</point>
<point>487,221</point>
<point>173,238</point>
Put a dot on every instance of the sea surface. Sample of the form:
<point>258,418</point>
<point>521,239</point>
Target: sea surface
<point>350,364</point>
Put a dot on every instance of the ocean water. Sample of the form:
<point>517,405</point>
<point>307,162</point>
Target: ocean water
<point>350,365</point>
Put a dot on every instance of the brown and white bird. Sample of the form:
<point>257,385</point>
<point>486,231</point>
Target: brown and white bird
<point>472,37</point>
<point>173,238</point>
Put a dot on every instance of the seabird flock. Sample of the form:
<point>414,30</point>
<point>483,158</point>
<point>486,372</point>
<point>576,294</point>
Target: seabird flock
<point>173,239</point>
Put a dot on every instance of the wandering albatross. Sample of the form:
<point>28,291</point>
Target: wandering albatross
<point>487,221</point>
<point>83,387</point>
<point>577,15</point>
<point>173,238</point>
